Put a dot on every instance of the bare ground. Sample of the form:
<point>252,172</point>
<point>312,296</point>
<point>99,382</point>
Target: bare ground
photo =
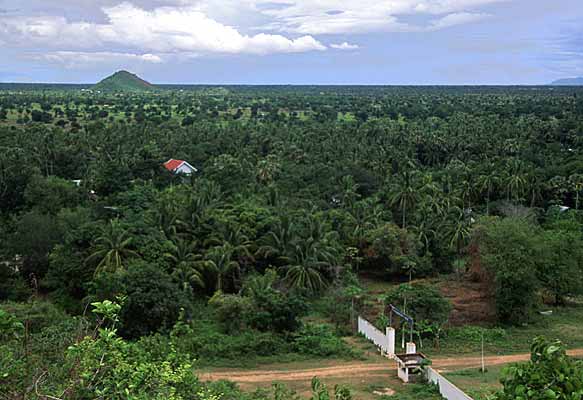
<point>360,375</point>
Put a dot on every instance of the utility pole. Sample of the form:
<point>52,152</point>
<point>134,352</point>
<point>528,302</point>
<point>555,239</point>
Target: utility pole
<point>483,364</point>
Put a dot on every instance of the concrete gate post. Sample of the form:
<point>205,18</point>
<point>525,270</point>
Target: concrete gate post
<point>390,335</point>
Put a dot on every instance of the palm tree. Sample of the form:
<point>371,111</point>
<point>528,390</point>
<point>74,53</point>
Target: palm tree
<point>466,189</point>
<point>304,270</point>
<point>257,285</point>
<point>220,261</point>
<point>404,194</point>
<point>164,216</point>
<point>458,230</point>
<point>279,240</point>
<point>349,191</point>
<point>309,256</point>
<point>231,234</point>
<point>410,267</point>
<point>186,268</point>
<point>535,182</point>
<point>267,170</point>
<point>486,183</point>
<point>425,230</point>
<point>112,248</point>
<point>577,183</point>
<point>515,181</point>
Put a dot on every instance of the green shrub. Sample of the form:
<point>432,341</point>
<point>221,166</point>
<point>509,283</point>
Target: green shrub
<point>319,341</point>
<point>230,310</point>
<point>424,303</point>
<point>550,374</point>
<point>474,334</point>
<point>153,301</point>
<point>205,341</point>
<point>276,312</point>
<point>12,286</point>
<point>38,314</point>
<point>510,251</point>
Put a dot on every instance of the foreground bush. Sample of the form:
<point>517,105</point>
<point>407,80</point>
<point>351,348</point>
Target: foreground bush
<point>550,374</point>
<point>103,365</point>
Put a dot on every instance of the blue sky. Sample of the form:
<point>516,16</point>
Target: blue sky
<point>293,41</point>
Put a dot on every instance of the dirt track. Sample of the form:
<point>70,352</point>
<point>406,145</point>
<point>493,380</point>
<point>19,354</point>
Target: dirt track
<point>356,369</point>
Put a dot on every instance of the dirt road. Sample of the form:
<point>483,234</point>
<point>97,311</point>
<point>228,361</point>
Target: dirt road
<point>351,369</point>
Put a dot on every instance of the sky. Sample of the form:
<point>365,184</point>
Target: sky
<point>382,42</point>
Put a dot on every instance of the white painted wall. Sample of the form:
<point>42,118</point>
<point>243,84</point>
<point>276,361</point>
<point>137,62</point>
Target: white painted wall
<point>446,388</point>
<point>184,169</point>
<point>384,341</point>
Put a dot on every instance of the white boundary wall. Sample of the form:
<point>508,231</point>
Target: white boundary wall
<point>446,388</point>
<point>384,341</point>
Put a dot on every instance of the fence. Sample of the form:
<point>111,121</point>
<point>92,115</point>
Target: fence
<point>446,388</point>
<point>384,341</point>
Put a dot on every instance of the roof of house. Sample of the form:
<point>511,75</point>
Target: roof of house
<point>173,165</point>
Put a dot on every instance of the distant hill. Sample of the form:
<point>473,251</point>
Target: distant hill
<point>568,82</point>
<point>123,81</point>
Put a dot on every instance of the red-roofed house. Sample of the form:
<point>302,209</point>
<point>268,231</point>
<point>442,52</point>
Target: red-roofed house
<point>179,167</point>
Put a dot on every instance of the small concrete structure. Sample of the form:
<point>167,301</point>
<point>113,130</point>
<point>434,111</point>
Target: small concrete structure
<point>410,366</point>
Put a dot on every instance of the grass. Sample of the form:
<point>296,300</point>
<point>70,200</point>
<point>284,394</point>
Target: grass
<point>565,324</point>
<point>476,384</point>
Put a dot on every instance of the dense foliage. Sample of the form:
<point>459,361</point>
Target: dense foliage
<point>300,192</point>
<point>102,365</point>
<point>550,374</point>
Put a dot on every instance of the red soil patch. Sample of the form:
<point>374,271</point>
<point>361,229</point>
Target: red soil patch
<point>472,302</point>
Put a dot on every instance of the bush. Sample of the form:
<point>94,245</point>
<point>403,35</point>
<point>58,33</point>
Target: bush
<point>205,342</point>
<point>50,194</point>
<point>12,286</point>
<point>391,247</point>
<point>230,310</point>
<point>153,301</point>
<point>319,341</point>
<point>36,235</point>
<point>276,312</point>
<point>510,251</point>
<point>550,374</point>
<point>424,303</point>
<point>475,334</point>
<point>39,314</point>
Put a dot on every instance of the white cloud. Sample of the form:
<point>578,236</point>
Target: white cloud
<point>184,28</point>
<point>77,59</point>
<point>457,19</point>
<point>345,46</point>
<point>341,16</point>
<point>161,30</point>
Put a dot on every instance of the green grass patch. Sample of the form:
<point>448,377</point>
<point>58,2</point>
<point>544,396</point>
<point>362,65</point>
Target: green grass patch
<point>565,324</point>
<point>475,383</point>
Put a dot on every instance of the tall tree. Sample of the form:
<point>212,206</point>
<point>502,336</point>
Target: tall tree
<point>112,249</point>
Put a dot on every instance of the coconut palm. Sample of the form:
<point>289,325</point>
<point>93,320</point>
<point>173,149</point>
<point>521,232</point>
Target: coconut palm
<point>576,181</point>
<point>279,240</point>
<point>186,268</point>
<point>404,194</point>
<point>112,248</point>
<point>220,261</point>
<point>486,184</point>
<point>458,229</point>
<point>303,272</point>
<point>516,181</point>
